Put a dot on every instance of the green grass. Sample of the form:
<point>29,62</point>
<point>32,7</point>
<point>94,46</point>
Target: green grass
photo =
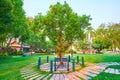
<point>106,76</point>
<point>10,66</point>
<point>114,66</point>
<point>96,58</point>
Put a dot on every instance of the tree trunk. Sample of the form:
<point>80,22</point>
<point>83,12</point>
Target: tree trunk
<point>71,51</point>
<point>60,46</point>
<point>60,56</point>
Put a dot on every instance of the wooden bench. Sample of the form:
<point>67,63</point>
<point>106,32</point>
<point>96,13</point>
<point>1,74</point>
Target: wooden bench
<point>64,60</point>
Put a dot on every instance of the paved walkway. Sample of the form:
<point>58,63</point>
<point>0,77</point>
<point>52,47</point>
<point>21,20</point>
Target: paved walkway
<point>112,71</point>
<point>58,77</point>
<point>28,73</point>
<point>85,73</point>
<point>63,68</point>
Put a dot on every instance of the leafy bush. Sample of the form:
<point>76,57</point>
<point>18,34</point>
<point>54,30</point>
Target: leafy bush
<point>9,51</point>
<point>101,43</point>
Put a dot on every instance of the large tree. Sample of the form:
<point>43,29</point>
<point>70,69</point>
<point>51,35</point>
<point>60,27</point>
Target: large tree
<point>12,20</point>
<point>5,19</point>
<point>62,26</point>
<point>5,15</point>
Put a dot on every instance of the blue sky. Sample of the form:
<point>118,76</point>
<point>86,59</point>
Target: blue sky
<point>101,11</point>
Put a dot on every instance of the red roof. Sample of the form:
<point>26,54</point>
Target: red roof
<point>15,42</point>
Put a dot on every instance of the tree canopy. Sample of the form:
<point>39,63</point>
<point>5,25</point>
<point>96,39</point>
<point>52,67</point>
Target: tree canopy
<point>12,21</point>
<point>62,26</point>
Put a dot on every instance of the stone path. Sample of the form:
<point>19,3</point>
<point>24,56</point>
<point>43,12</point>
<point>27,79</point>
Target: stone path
<point>46,67</point>
<point>113,71</point>
<point>86,73</point>
<point>28,73</point>
<point>58,77</point>
<point>91,71</point>
<point>110,70</point>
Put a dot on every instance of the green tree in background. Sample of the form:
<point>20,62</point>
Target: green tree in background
<point>110,31</point>
<point>114,35</point>
<point>101,43</point>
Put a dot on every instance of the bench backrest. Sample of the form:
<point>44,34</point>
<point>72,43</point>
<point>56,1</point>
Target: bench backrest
<point>61,59</point>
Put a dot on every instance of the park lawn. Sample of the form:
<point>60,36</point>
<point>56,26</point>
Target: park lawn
<point>114,67</point>
<point>97,58</point>
<point>10,67</point>
<point>106,76</point>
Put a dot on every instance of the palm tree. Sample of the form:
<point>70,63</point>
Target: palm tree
<point>90,34</point>
<point>114,35</point>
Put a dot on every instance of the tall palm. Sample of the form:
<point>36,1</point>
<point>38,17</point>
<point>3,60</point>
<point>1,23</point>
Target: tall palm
<point>90,34</point>
<point>114,35</point>
<point>102,30</point>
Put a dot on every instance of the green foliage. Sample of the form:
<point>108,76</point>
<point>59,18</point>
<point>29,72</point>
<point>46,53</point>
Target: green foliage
<point>9,52</point>
<point>5,14</point>
<point>111,32</point>
<point>100,43</point>
<point>12,20</point>
<point>114,35</point>
<point>61,25</point>
<point>83,45</point>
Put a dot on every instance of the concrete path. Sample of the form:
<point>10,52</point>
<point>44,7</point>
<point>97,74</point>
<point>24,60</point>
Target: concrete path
<point>112,71</point>
<point>58,77</point>
<point>28,72</point>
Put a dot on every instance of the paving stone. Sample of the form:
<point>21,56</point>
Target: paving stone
<point>81,75</point>
<point>53,77</point>
<point>95,72</point>
<point>46,78</point>
<point>112,71</point>
<point>30,76</point>
<point>88,73</point>
<point>56,76</point>
<point>35,77</point>
<point>70,77</point>
<point>66,78</point>
<point>117,71</point>
<point>95,69</point>
<point>40,77</point>
<point>75,77</point>
<point>27,73</point>
<point>62,77</point>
